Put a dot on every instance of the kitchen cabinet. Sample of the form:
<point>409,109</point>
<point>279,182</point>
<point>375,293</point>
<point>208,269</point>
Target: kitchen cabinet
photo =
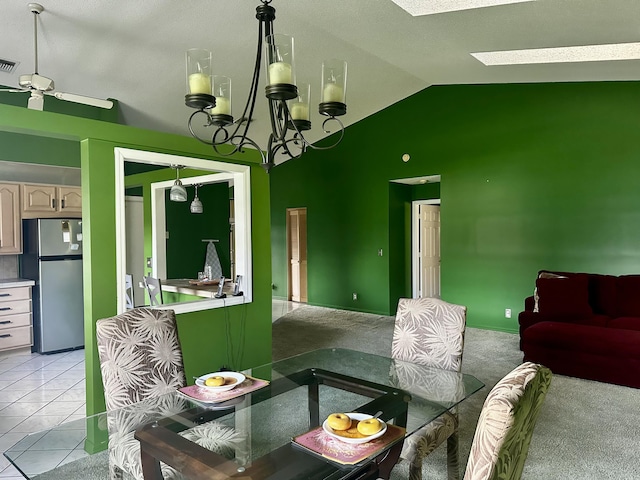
<point>51,201</point>
<point>16,329</point>
<point>10,222</point>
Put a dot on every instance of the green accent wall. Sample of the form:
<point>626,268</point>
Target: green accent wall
<point>533,176</point>
<point>202,334</point>
<point>185,249</point>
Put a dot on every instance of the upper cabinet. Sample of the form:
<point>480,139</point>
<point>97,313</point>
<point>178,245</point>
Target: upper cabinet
<point>46,201</point>
<point>10,223</point>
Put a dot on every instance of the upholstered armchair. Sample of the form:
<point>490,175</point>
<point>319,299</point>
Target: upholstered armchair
<point>429,331</point>
<point>505,427</point>
<point>141,359</point>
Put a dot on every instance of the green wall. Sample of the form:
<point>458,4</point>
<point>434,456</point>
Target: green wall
<point>533,176</point>
<point>204,347</point>
<point>185,249</point>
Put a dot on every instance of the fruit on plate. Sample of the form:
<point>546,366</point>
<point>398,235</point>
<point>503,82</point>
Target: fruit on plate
<point>214,381</point>
<point>369,426</point>
<point>339,421</point>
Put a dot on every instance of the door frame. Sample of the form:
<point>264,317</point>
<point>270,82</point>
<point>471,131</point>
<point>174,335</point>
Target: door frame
<point>415,241</point>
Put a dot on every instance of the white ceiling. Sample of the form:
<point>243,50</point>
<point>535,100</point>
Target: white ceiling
<point>133,51</point>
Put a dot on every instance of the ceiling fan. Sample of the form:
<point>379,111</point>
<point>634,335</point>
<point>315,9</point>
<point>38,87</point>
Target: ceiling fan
<point>39,85</point>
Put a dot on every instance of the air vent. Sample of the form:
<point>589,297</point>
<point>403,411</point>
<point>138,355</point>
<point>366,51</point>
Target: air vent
<point>7,66</point>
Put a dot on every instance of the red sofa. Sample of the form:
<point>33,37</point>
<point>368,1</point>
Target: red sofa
<point>584,325</point>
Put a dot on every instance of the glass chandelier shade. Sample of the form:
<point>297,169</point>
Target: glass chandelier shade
<point>288,101</point>
<point>196,204</point>
<point>177,193</point>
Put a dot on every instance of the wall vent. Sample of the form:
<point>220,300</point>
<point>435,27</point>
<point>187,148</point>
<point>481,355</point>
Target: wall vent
<point>7,66</point>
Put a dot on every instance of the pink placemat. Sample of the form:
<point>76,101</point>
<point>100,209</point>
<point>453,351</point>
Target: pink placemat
<point>318,441</point>
<point>204,395</point>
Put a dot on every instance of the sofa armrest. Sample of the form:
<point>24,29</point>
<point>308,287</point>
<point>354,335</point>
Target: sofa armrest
<point>529,303</point>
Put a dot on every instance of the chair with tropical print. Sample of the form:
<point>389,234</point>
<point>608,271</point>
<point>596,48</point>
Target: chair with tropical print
<point>430,331</point>
<point>141,359</point>
<point>505,427</point>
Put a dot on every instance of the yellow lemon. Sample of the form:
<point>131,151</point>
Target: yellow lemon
<point>214,381</point>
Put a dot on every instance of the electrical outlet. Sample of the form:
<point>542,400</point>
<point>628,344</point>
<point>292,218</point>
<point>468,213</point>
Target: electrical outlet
<point>507,313</point>
<point>380,252</point>
<point>355,296</point>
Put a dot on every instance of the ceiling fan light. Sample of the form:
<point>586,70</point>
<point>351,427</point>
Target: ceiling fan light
<point>178,193</point>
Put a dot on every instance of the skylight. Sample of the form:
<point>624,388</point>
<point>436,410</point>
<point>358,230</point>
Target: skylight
<point>583,53</point>
<point>431,7</point>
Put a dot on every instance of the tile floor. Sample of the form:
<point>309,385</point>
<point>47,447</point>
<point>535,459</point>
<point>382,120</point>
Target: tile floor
<point>40,391</point>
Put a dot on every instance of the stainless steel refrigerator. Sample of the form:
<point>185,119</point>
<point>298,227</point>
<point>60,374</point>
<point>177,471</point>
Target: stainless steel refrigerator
<point>53,258</point>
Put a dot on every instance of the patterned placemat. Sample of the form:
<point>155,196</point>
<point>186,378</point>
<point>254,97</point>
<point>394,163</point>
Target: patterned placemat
<point>323,444</point>
<point>194,392</point>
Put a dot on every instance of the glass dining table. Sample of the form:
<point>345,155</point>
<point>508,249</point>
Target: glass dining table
<point>274,428</point>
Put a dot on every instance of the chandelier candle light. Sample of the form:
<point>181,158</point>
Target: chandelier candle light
<point>288,101</point>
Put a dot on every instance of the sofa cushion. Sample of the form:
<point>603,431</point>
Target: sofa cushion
<point>603,296</point>
<point>625,323</point>
<point>566,337</point>
<point>568,295</point>
<point>628,295</point>
<point>543,274</point>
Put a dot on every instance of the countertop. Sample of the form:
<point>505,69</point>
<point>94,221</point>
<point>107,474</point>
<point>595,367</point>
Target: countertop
<point>16,282</point>
<point>182,285</point>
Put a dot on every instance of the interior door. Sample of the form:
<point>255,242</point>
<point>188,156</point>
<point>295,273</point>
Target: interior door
<point>297,253</point>
<point>429,250</point>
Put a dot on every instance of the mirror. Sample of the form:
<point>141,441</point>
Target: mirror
<point>176,242</point>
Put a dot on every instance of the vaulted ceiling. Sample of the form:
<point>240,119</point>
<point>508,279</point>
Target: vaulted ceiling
<point>134,51</point>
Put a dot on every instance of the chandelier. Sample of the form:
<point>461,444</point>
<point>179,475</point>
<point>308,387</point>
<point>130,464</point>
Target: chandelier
<point>288,101</point>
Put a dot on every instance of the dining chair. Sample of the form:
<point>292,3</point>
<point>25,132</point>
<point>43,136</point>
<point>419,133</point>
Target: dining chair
<point>154,290</point>
<point>430,331</point>
<point>141,359</point>
<point>507,420</point>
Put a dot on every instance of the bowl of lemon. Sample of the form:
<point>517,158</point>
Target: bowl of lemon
<point>220,381</point>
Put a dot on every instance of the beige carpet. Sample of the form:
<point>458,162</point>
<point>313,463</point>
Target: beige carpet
<point>586,430</point>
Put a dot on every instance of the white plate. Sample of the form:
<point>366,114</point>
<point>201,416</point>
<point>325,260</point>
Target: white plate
<point>355,416</point>
<point>239,378</point>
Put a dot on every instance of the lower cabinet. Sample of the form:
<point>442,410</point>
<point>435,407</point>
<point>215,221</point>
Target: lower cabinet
<point>16,329</point>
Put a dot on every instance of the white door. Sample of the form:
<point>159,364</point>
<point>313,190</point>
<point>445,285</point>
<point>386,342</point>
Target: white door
<point>426,251</point>
<point>134,228</point>
<point>297,248</point>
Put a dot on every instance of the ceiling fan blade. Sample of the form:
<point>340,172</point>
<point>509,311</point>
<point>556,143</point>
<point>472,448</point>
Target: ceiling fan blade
<point>36,101</point>
<point>94,102</point>
<point>13,90</point>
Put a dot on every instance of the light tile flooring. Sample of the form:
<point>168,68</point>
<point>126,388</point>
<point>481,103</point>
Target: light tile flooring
<point>40,391</point>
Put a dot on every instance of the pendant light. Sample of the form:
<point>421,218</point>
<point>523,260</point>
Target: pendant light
<point>287,100</point>
<point>178,193</point>
<point>196,204</point>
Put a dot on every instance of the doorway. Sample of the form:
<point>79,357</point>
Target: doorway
<point>425,247</point>
<point>297,254</point>
<point>134,224</point>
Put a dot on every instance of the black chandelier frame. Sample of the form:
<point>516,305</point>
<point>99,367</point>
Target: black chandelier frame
<point>235,133</point>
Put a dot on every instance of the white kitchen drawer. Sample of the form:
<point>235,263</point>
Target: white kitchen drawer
<point>18,320</point>
<point>17,293</point>
<point>15,337</point>
<point>14,307</point>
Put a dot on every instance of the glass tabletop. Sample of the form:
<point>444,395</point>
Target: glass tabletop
<point>260,431</point>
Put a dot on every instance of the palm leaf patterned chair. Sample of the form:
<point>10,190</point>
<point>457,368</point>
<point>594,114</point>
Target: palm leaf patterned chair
<point>140,359</point>
<point>505,427</point>
<point>430,331</point>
